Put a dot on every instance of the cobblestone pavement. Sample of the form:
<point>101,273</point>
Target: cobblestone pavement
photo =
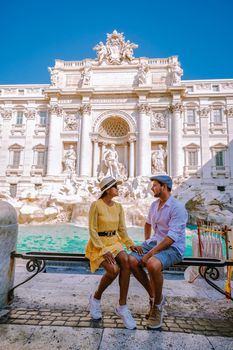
<point>75,318</point>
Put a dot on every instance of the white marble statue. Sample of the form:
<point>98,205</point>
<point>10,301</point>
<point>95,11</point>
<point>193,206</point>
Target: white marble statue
<point>101,52</point>
<point>176,73</point>
<point>70,160</point>
<point>112,162</point>
<point>116,49</point>
<point>127,50</point>
<point>68,188</point>
<point>54,77</point>
<point>142,74</point>
<point>86,76</point>
<point>158,160</point>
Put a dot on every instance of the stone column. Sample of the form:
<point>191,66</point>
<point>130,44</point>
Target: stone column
<point>126,154</point>
<point>8,239</point>
<point>176,141</point>
<point>77,157</point>
<point>85,141</point>
<point>28,152</point>
<point>96,157</point>
<point>204,142</point>
<point>54,163</point>
<point>131,157</point>
<point>4,153</point>
<point>143,141</point>
<point>229,115</point>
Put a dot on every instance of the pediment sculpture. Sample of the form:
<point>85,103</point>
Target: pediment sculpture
<point>116,49</point>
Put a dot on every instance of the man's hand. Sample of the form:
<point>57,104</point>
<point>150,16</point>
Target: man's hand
<point>136,248</point>
<point>109,258</point>
<point>145,259</point>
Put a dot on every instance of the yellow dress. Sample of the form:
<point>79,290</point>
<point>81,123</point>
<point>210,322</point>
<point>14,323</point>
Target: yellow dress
<point>103,217</point>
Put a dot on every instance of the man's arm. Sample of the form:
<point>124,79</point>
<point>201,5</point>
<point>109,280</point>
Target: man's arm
<point>147,231</point>
<point>164,244</point>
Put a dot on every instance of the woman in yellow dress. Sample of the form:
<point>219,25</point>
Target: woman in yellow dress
<point>107,233</point>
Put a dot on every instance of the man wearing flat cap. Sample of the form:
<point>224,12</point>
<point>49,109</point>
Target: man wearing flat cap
<point>162,249</point>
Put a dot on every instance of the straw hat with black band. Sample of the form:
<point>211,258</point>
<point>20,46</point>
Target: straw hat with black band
<point>108,182</point>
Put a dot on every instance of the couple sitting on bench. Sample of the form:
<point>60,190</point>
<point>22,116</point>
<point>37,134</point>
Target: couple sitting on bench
<point>164,248</point>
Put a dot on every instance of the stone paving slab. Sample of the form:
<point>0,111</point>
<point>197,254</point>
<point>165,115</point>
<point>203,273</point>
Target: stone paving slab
<point>75,318</point>
<point>13,337</point>
<point>154,340</point>
<point>26,337</point>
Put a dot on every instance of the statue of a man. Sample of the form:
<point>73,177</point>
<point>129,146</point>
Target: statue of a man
<point>176,74</point>
<point>54,76</point>
<point>127,51</point>
<point>86,76</point>
<point>112,162</point>
<point>158,160</point>
<point>101,51</point>
<point>70,159</point>
<point>142,74</point>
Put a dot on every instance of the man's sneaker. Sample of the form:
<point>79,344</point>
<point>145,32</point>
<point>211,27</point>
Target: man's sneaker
<point>95,308</point>
<point>126,317</point>
<point>156,317</point>
<point>151,305</point>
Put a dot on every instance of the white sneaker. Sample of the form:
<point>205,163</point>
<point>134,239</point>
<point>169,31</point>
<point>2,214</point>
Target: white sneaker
<point>95,308</point>
<point>126,317</point>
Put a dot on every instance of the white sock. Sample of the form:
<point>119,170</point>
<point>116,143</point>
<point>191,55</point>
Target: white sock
<point>96,300</point>
<point>122,307</point>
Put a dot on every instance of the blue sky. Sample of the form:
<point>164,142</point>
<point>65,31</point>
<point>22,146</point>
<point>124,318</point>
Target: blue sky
<point>35,33</point>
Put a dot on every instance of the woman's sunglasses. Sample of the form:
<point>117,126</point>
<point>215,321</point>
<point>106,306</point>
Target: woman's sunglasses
<point>115,186</point>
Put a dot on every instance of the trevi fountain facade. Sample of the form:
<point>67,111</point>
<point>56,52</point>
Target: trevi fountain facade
<point>122,116</point>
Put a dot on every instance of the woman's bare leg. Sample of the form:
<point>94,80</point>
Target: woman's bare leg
<point>112,270</point>
<point>141,275</point>
<point>123,261</point>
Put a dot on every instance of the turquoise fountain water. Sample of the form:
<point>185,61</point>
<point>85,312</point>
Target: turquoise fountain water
<point>73,239</point>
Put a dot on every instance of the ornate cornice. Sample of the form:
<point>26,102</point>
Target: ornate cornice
<point>177,107</point>
<point>229,111</point>
<point>204,112</point>
<point>94,137</point>
<point>85,108</point>
<point>6,114</point>
<point>30,114</point>
<point>132,139</point>
<point>144,108</point>
<point>56,109</point>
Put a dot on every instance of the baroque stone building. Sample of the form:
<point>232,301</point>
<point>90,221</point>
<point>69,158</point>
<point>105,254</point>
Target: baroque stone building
<point>137,108</point>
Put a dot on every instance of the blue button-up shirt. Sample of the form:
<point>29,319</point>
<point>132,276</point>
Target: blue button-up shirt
<point>168,221</point>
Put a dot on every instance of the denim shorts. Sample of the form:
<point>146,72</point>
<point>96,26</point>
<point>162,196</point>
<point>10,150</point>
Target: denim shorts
<point>167,257</point>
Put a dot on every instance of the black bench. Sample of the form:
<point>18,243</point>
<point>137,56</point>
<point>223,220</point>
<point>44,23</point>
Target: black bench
<point>36,263</point>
